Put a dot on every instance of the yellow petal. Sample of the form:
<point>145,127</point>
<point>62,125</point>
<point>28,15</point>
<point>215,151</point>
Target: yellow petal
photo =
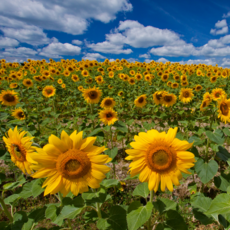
<point>58,143</point>
<point>169,183</point>
<point>144,175</point>
<point>65,138</point>
<point>77,139</point>
<point>97,174</point>
<point>54,182</point>
<point>51,150</point>
<point>163,183</point>
<point>44,173</point>
<point>152,181</point>
<point>102,168</point>
<point>185,155</point>
<point>74,188</point>
<point>179,145</point>
<point>87,142</point>
<point>99,159</point>
<point>170,136</point>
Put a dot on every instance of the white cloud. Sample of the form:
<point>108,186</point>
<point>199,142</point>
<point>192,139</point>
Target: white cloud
<point>221,24</point>
<point>8,42</point>
<point>221,28</point>
<point>162,60</point>
<point>148,60</point>
<point>226,15</point>
<point>225,62</point>
<point>198,61</point>
<point>174,51</point>
<point>77,42</point>
<point>32,35</point>
<point>93,56</point>
<point>108,47</point>
<point>56,49</point>
<point>68,16</point>
<point>144,55</point>
<point>132,60</point>
<point>19,52</point>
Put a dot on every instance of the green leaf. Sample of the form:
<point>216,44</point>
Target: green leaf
<point>11,199</point>
<point>4,225</point>
<point>112,153</point>
<point>226,132</point>
<point>37,187</point>
<point>220,205</point>
<point>216,137</point>
<point>141,190</point>
<point>97,132</point>
<point>176,221</point>
<point>121,126</point>
<point>52,212</point>
<point>93,197</point>
<point>20,218</point>
<point>206,171</point>
<point>2,177</point>
<point>12,185</point>
<point>222,182</point>
<point>69,212</point>
<point>107,183</point>
<point>133,206</point>
<point>164,204</point>
<point>202,217</point>
<point>223,153</point>
<point>197,140</point>
<point>137,218</point>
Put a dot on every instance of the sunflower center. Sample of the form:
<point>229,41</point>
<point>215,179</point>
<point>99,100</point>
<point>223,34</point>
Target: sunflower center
<point>21,114</point>
<point>108,102</point>
<point>161,158</point>
<point>49,91</point>
<point>93,94</point>
<point>109,115</point>
<point>141,100</point>
<point>168,98</point>
<point>224,109</point>
<point>73,164</point>
<point>158,96</point>
<point>18,153</point>
<point>217,95</point>
<point>186,94</point>
<point>9,97</point>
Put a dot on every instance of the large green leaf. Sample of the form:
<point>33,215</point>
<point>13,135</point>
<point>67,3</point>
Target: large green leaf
<point>223,153</point>
<point>121,126</point>
<point>222,182</point>
<point>216,137</point>
<point>164,204</point>
<point>202,217</point>
<point>220,205</point>
<point>37,187</point>
<point>138,217</point>
<point>107,183</point>
<point>93,197</point>
<point>175,221</point>
<point>141,190</point>
<point>206,171</point>
<point>196,140</point>
<point>112,152</point>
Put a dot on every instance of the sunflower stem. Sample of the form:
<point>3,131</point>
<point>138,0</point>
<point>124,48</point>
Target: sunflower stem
<point>111,138</point>
<point>149,221</point>
<point>60,197</point>
<point>69,223</point>
<point>6,210</point>
<point>98,210</point>
<point>91,110</point>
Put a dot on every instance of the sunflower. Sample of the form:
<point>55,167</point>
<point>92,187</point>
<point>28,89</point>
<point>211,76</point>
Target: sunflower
<point>14,85</point>
<point>176,77</point>
<point>59,81</point>
<point>108,116</point>
<point>138,76</point>
<point>186,95</point>
<point>217,93</point>
<point>168,99</point>
<point>63,86</point>
<point>88,80</point>
<point>169,83</point>
<point>160,158</point>
<point>75,78</point>
<point>84,73</point>
<point>132,81</point>
<point>111,74</point>
<point>204,105</point>
<point>184,83</point>
<point>141,101</point>
<point>9,97</point>
<point>70,164</point>
<point>49,91</point>
<point>157,97</point>
<point>99,79</point>
<point>19,114</point>
<point>80,88</point>
<point>183,77</point>
<point>213,79</point>
<point>110,86</point>
<point>198,88</point>
<point>108,102</point>
<point>175,85</point>
<point>164,77</point>
<point>19,148</point>
<point>224,109</point>
<point>207,96</point>
<point>120,93</point>
<point>27,82</point>
<point>92,95</point>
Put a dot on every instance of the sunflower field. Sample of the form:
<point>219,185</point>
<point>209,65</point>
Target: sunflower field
<point>114,145</point>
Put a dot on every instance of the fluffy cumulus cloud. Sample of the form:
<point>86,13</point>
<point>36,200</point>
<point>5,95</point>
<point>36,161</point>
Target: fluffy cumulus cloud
<point>93,56</point>
<point>68,16</point>
<point>134,34</point>
<point>8,42</point>
<point>32,35</point>
<point>225,63</point>
<point>18,52</point>
<point>56,49</point>
<point>164,60</point>
<point>198,61</point>
<point>77,42</point>
<point>144,55</point>
<point>221,27</point>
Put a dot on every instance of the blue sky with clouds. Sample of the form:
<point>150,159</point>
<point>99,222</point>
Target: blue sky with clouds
<point>177,31</point>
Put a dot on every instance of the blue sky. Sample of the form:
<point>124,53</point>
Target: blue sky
<point>177,31</point>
